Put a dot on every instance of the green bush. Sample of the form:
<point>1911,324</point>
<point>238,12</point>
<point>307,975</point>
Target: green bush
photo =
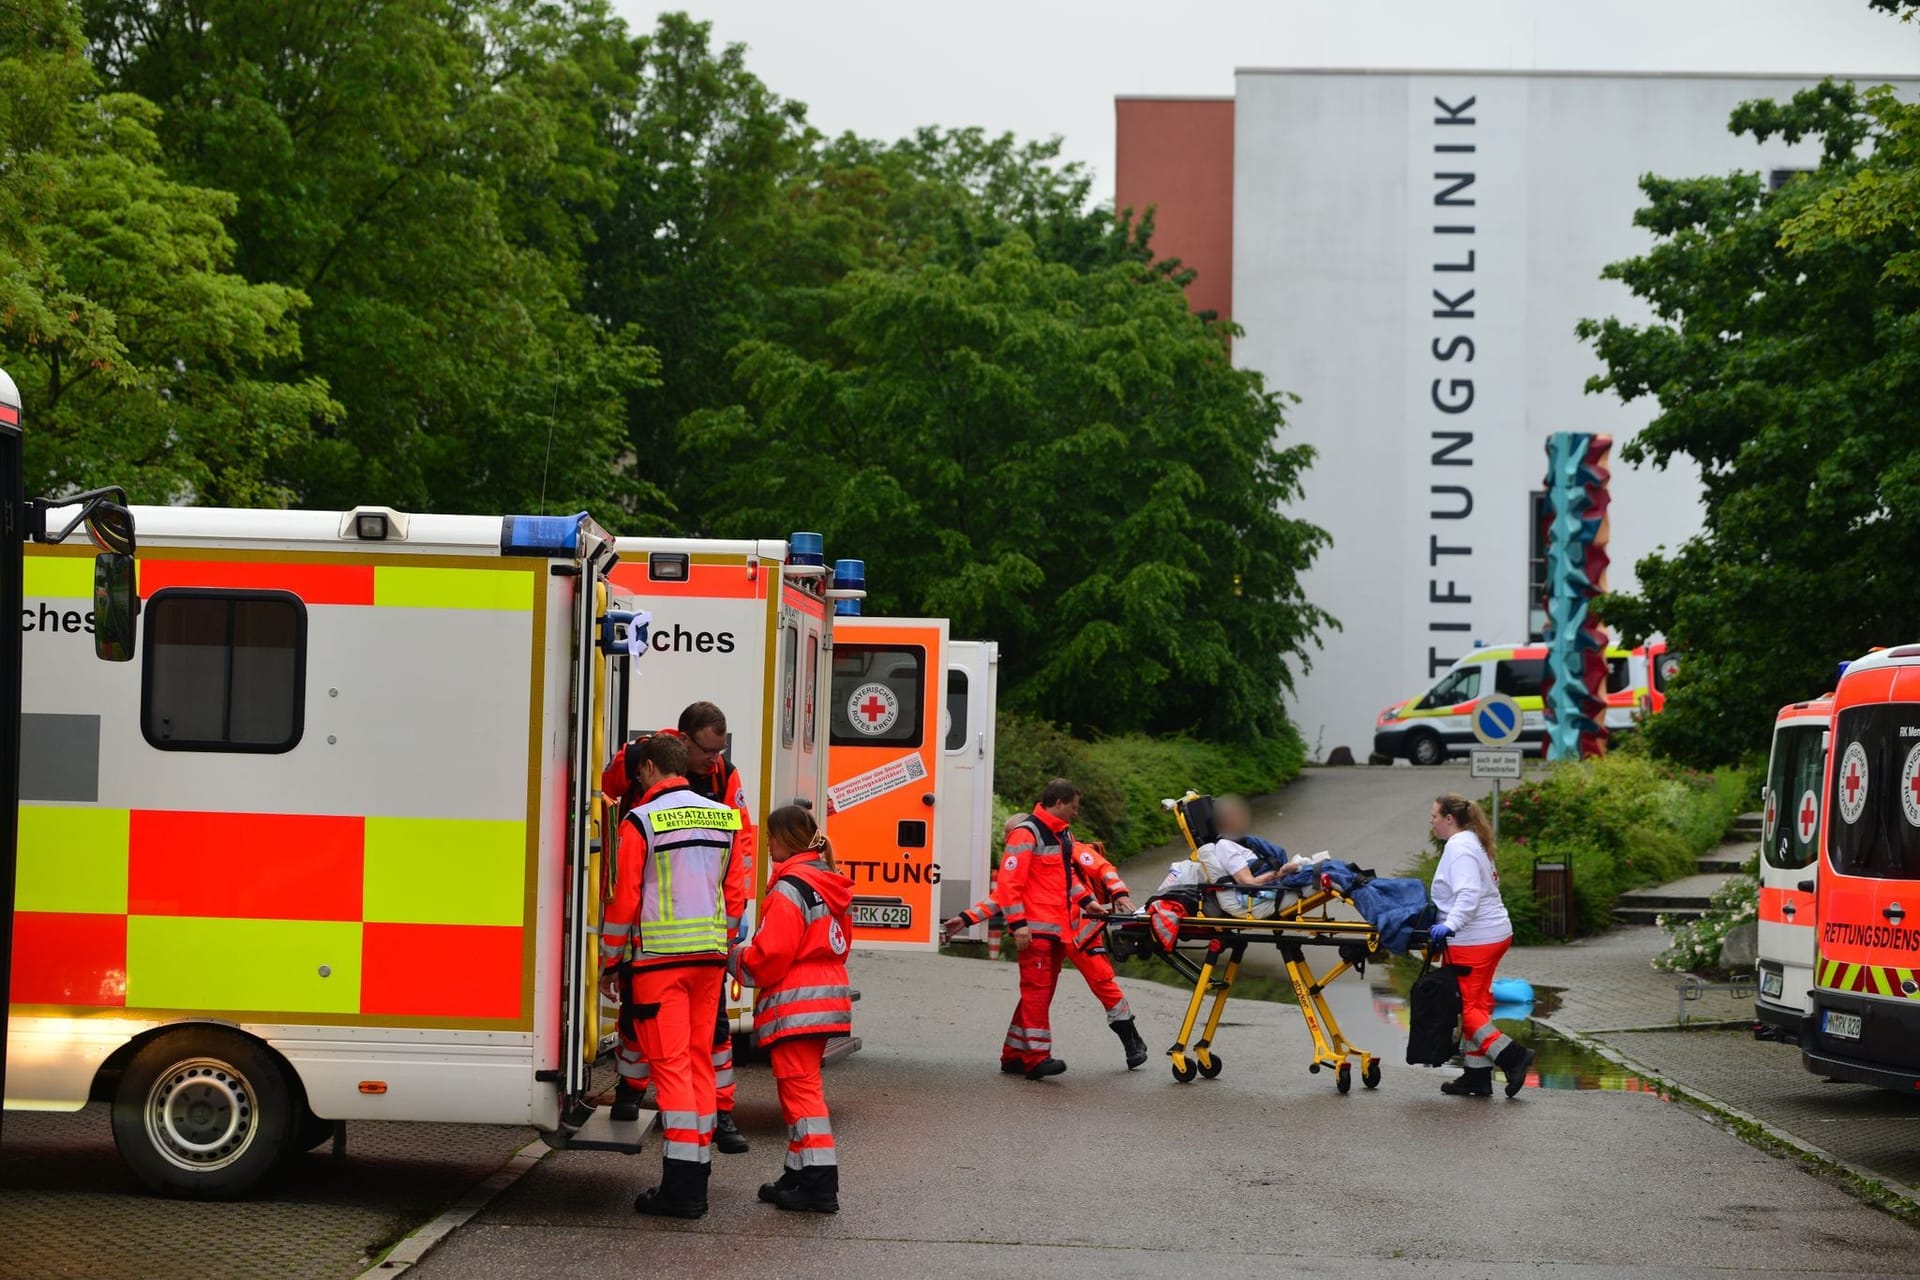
<point>1622,821</point>
<point>1123,779</point>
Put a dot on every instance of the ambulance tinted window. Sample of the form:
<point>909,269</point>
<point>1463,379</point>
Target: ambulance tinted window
<point>1619,674</point>
<point>1877,786</point>
<point>956,710</point>
<point>789,658</point>
<point>1519,677</point>
<point>876,695</point>
<point>1793,797</point>
<point>808,732</point>
<point>224,671</point>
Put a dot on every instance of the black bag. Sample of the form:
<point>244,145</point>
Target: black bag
<point>1433,1030</point>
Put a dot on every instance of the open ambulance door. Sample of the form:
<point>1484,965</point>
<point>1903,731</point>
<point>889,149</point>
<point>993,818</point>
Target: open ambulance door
<point>964,815</point>
<point>885,747</point>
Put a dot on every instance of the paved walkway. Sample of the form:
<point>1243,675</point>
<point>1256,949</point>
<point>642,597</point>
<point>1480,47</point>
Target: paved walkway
<point>1609,993</point>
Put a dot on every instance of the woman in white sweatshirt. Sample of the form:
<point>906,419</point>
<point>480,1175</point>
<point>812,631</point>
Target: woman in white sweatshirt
<point>1476,931</point>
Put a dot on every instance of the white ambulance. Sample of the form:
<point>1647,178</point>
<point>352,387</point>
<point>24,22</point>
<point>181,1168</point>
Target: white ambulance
<point>321,853</point>
<point>1791,805</point>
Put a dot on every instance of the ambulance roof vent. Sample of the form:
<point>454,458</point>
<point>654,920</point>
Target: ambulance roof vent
<point>374,524</point>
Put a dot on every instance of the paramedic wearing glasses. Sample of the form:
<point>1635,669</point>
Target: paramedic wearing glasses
<point>1476,932</point>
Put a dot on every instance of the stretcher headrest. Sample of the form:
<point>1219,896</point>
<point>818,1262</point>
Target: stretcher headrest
<point>1197,813</point>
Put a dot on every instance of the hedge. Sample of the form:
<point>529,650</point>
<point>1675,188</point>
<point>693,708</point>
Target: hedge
<point>1123,779</point>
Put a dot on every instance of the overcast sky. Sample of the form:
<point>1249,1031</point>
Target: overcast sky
<point>1043,67</point>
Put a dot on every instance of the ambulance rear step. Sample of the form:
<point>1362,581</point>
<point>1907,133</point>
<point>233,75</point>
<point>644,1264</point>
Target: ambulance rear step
<point>839,1047</point>
<point>602,1132</point>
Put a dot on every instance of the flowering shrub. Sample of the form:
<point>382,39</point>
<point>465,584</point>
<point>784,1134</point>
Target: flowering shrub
<point>1696,943</point>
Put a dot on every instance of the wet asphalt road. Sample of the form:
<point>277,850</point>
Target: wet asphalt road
<point>952,1169</point>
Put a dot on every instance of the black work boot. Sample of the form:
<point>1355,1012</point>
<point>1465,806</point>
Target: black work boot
<point>1012,1067</point>
<point>1474,1082</point>
<point>813,1190</point>
<point>682,1192</point>
<point>1514,1062</point>
<point>727,1136</point>
<point>1044,1068</point>
<point>1130,1041</point>
<point>626,1101</point>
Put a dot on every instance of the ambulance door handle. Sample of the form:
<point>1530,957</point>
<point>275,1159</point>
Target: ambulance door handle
<point>1805,886</point>
<point>926,799</point>
<point>981,749</point>
<point>1894,912</point>
<point>1788,910</point>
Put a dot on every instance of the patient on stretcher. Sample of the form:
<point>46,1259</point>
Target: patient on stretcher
<point>1233,875</point>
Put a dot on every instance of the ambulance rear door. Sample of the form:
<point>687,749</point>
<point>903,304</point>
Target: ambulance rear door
<point>1791,813</point>
<point>884,760</point>
<point>964,816</point>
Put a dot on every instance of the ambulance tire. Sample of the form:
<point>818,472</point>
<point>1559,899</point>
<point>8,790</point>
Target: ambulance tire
<point>203,1113</point>
<point>1426,748</point>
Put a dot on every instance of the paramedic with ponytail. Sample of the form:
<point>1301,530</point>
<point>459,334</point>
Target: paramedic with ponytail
<point>797,962</point>
<point>1476,932</point>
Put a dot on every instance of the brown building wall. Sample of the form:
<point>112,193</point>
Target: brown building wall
<point>1176,155</point>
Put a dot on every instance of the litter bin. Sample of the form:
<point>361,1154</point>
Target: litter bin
<point>1553,896</point>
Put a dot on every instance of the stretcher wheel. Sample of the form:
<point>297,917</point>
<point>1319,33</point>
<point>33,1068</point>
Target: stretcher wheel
<point>1211,1067</point>
<point>1343,1079</point>
<point>1184,1070</point>
<point>1371,1076</point>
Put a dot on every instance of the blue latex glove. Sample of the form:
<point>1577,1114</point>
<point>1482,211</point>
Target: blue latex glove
<point>1438,934</point>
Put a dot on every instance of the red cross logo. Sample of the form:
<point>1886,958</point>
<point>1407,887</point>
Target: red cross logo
<point>873,709</point>
<point>1768,823</point>
<point>1852,781</point>
<point>1808,814</point>
<point>1913,784</point>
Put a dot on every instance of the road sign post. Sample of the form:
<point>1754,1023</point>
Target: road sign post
<point>1496,723</point>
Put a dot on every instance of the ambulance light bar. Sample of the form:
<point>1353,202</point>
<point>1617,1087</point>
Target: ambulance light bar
<point>541,535</point>
<point>806,556</point>
<point>849,587</point>
<point>374,524</point>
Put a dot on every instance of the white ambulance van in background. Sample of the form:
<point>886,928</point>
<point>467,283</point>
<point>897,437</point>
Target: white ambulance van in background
<point>1791,805</point>
<point>967,834</point>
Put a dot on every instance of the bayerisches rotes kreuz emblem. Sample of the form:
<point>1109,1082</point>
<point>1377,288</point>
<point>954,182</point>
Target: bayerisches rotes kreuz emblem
<point>1852,784</point>
<point>1910,786</point>
<point>873,709</point>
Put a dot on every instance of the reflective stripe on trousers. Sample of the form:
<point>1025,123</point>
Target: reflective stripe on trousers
<point>803,1103</point>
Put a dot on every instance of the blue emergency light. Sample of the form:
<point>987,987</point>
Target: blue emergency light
<point>546,536</point>
<point>807,548</point>
<point>849,575</point>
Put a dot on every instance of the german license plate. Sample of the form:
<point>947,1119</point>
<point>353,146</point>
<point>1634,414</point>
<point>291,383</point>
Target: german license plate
<point>882,915</point>
<point>1771,984</point>
<point>1841,1026</point>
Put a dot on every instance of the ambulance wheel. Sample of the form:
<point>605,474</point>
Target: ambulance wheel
<point>1211,1067</point>
<point>1184,1071</point>
<point>202,1113</point>
<point>1343,1079</point>
<point>1371,1076</point>
<point>1426,748</point>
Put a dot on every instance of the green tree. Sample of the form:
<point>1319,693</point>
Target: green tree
<point>1064,460</point>
<point>1782,352</point>
<point>141,357</point>
<point>426,172</point>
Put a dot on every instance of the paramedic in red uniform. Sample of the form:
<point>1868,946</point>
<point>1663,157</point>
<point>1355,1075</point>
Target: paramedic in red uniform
<point>1091,869</point>
<point>1041,900</point>
<point>704,726</point>
<point>797,961</point>
<point>1476,931</point>
<point>665,934</point>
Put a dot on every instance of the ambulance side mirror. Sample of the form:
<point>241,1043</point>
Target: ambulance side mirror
<point>116,609</point>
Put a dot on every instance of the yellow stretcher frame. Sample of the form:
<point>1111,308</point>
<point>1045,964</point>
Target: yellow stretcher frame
<point>1226,938</point>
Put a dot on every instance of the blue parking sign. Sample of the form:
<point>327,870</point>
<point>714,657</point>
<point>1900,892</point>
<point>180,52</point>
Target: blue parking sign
<point>1496,721</point>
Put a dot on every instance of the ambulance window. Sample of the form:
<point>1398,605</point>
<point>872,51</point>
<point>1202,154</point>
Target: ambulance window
<point>1664,668</point>
<point>1519,677</point>
<point>224,671</point>
<point>876,698</point>
<point>789,655</point>
<point>1454,688</point>
<point>808,731</point>
<point>1619,675</point>
<point>956,710</point>
<point>1877,784</point>
<point>1793,797</point>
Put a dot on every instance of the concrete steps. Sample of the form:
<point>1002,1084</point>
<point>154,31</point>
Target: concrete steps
<point>1683,899</point>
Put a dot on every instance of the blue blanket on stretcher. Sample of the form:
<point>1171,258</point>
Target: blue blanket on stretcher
<point>1396,906</point>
